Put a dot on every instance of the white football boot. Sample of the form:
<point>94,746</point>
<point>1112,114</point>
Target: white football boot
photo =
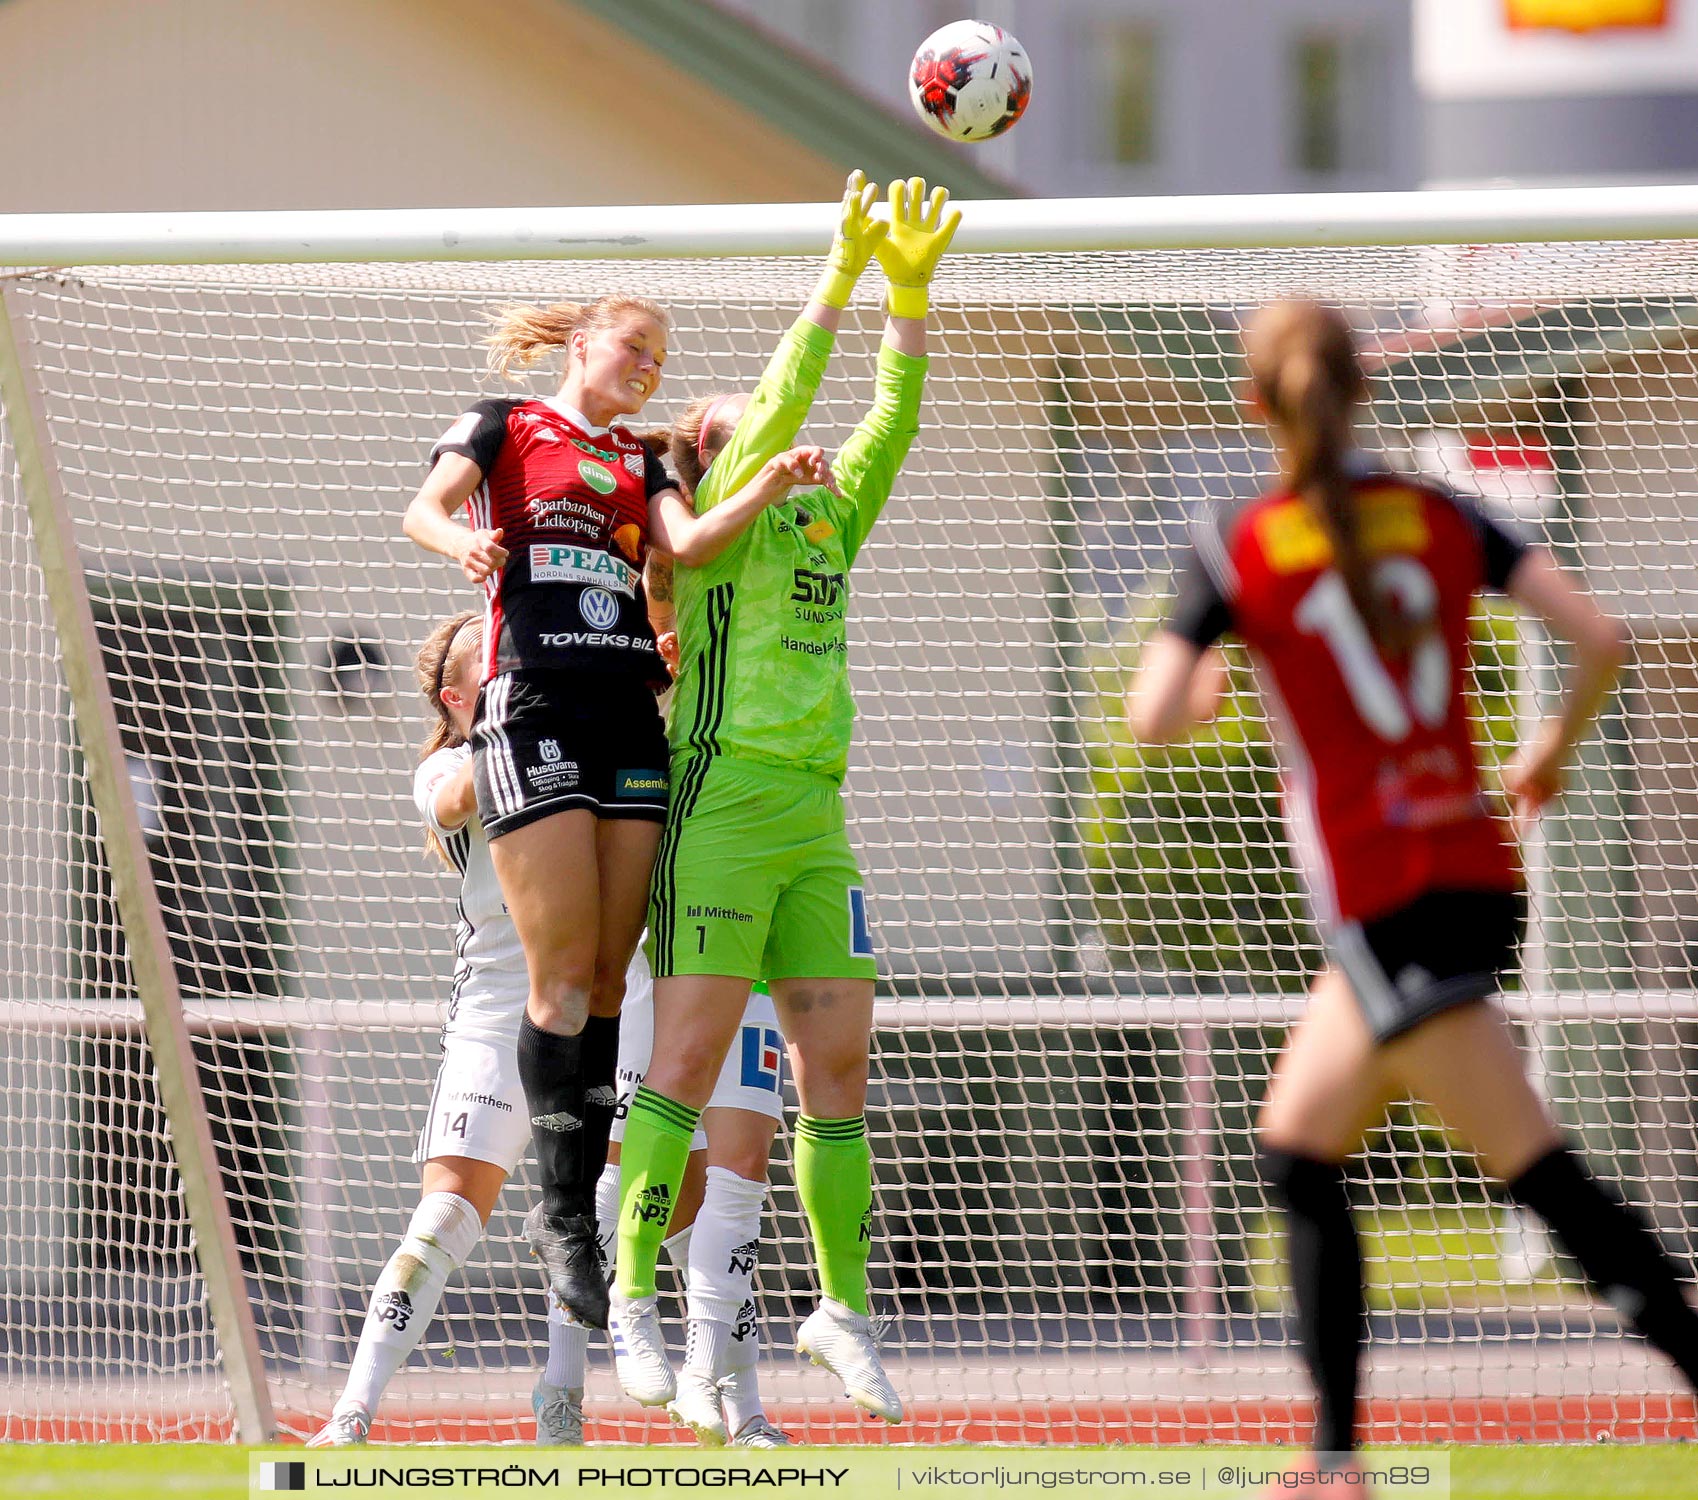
<point>345,1429</point>
<point>696,1406</point>
<point>758,1432</point>
<point>842,1341</point>
<point>639,1351</point>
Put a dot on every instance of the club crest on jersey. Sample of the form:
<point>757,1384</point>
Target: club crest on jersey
<point>599,609</point>
<point>634,465</point>
<point>596,477</point>
<point>815,528</point>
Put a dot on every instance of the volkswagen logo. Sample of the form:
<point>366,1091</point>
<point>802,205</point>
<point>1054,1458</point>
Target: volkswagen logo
<point>599,608</point>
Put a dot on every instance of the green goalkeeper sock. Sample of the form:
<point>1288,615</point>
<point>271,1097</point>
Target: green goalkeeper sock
<point>652,1158</point>
<point>834,1178</point>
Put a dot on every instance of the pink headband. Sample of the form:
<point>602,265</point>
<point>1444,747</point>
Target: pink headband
<point>707,427</point>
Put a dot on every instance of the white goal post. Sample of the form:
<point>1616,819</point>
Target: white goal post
<point>226,954</point>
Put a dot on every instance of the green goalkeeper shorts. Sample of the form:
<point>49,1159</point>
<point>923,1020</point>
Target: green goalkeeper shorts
<point>756,878</point>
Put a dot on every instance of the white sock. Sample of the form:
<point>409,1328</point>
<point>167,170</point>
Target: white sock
<point>568,1345</point>
<point>607,1213</point>
<point>441,1235</point>
<point>722,1267</point>
<point>739,1387</point>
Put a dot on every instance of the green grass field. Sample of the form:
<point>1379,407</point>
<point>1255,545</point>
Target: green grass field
<point>159,1472</point>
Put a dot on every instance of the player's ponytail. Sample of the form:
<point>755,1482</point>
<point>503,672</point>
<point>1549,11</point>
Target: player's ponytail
<point>522,335</point>
<point>442,658</point>
<point>1308,378</point>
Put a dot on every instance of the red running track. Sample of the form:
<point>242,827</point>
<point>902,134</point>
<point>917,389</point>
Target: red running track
<point>1506,1419</point>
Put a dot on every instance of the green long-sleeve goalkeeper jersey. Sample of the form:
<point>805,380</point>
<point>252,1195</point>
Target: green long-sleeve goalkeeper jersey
<point>764,674</point>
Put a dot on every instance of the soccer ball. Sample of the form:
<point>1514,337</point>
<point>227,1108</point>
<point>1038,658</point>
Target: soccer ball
<point>970,80</point>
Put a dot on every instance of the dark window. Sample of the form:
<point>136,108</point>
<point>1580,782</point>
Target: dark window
<point>1336,109</point>
<point>1126,57</point>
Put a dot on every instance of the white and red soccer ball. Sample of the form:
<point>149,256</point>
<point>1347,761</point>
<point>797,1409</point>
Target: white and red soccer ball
<point>970,80</point>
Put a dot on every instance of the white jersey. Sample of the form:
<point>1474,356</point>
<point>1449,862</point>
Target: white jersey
<point>491,982</point>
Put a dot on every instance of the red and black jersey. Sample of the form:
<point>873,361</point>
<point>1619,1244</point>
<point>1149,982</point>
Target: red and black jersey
<point>1383,789</point>
<point>572,502</point>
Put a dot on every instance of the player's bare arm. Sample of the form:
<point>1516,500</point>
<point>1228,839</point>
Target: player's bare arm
<point>1178,687</point>
<point>1601,650</point>
<point>695,540</point>
<point>429,519</point>
<point>455,799</point>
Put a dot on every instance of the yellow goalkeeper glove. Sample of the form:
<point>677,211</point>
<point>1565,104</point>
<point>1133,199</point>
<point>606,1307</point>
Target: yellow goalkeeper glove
<point>920,231</point>
<point>858,237</point>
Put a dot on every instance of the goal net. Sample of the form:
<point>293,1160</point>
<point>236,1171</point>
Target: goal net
<point>1089,952</point>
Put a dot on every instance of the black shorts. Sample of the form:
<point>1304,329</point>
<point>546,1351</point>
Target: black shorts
<point>545,742</point>
<point>1444,949</point>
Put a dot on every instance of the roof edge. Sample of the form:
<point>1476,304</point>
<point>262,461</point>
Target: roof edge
<point>814,105</point>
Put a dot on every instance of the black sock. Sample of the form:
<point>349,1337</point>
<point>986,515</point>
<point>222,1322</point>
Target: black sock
<point>1617,1251</point>
<point>601,1090</point>
<point>1326,1282</point>
<point>552,1075</point>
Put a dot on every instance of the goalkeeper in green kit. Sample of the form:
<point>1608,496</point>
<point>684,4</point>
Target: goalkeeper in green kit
<point>755,876</point>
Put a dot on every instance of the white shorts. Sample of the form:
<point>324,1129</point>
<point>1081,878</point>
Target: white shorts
<point>751,1078</point>
<point>477,1108</point>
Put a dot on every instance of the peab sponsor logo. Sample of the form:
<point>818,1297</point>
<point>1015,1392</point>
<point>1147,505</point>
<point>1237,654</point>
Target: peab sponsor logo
<point>558,564</point>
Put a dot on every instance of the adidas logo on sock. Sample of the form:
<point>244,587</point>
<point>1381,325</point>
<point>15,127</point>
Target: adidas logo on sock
<point>742,1261</point>
<point>561,1123</point>
<point>653,1203</point>
<point>746,1324</point>
<point>867,1227</point>
<point>603,1095</point>
<point>393,1307</point>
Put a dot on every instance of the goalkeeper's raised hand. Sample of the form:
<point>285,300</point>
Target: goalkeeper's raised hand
<point>920,231</point>
<point>858,237</point>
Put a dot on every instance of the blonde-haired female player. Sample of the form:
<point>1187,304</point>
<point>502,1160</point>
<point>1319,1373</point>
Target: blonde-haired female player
<point>476,1131</point>
<point>568,748</point>
<point>1353,587</point>
<point>569,753</point>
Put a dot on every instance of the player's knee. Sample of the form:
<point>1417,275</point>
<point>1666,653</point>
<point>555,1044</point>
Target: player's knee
<point>559,1002</point>
<point>691,1057</point>
<point>607,990</point>
<point>832,1082</point>
<point>745,1160</point>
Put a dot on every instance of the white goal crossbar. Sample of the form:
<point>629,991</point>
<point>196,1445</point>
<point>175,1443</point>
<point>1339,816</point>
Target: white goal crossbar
<point>1022,226</point>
